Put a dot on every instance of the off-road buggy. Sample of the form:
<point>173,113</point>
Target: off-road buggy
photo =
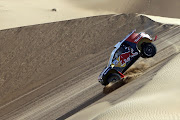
<point>125,53</point>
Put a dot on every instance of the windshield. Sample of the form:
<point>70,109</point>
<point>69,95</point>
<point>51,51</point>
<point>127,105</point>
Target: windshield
<point>115,54</point>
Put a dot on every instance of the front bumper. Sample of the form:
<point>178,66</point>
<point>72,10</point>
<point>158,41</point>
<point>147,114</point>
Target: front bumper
<point>101,81</point>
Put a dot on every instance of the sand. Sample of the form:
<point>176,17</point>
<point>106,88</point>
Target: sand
<point>23,13</point>
<point>157,100</point>
<point>165,20</point>
<point>36,55</point>
<point>50,71</point>
<point>91,111</point>
<point>152,101</point>
<point>45,59</point>
<point>151,7</point>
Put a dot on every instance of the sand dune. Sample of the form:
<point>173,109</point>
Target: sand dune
<point>52,49</point>
<point>157,100</point>
<point>165,20</point>
<point>142,100</point>
<point>50,71</point>
<point>50,54</point>
<point>41,58</point>
<point>152,7</point>
<point>23,13</point>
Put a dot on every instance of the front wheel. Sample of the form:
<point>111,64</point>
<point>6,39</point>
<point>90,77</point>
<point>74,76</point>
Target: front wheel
<point>148,50</point>
<point>114,77</point>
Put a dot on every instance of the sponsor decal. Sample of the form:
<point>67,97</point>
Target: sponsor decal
<point>124,58</point>
<point>133,53</point>
<point>137,39</point>
<point>116,62</point>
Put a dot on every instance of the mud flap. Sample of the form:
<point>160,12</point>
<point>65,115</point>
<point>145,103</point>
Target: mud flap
<point>122,76</point>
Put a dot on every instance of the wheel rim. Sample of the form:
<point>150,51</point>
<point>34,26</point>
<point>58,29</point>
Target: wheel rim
<point>115,79</point>
<point>148,51</point>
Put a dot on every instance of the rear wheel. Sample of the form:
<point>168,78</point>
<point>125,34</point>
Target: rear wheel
<point>148,50</point>
<point>114,77</point>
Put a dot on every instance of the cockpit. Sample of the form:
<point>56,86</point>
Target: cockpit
<point>116,53</point>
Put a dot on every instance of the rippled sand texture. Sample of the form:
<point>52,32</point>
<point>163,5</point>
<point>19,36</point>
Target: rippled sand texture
<point>158,100</point>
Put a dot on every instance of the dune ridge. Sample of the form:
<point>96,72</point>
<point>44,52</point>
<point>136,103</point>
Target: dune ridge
<point>152,7</point>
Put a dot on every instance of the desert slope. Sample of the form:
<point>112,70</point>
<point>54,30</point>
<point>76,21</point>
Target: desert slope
<point>38,54</point>
<point>159,99</point>
<point>55,70</point>
<point>49,71</point>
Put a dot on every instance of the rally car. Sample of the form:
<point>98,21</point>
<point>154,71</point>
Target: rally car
<point>125,53</point>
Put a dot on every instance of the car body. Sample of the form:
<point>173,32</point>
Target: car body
<point>125,53</point>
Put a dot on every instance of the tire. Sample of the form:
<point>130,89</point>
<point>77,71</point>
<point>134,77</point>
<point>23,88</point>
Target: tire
<point>114,77</point>
<point>148,50</point>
